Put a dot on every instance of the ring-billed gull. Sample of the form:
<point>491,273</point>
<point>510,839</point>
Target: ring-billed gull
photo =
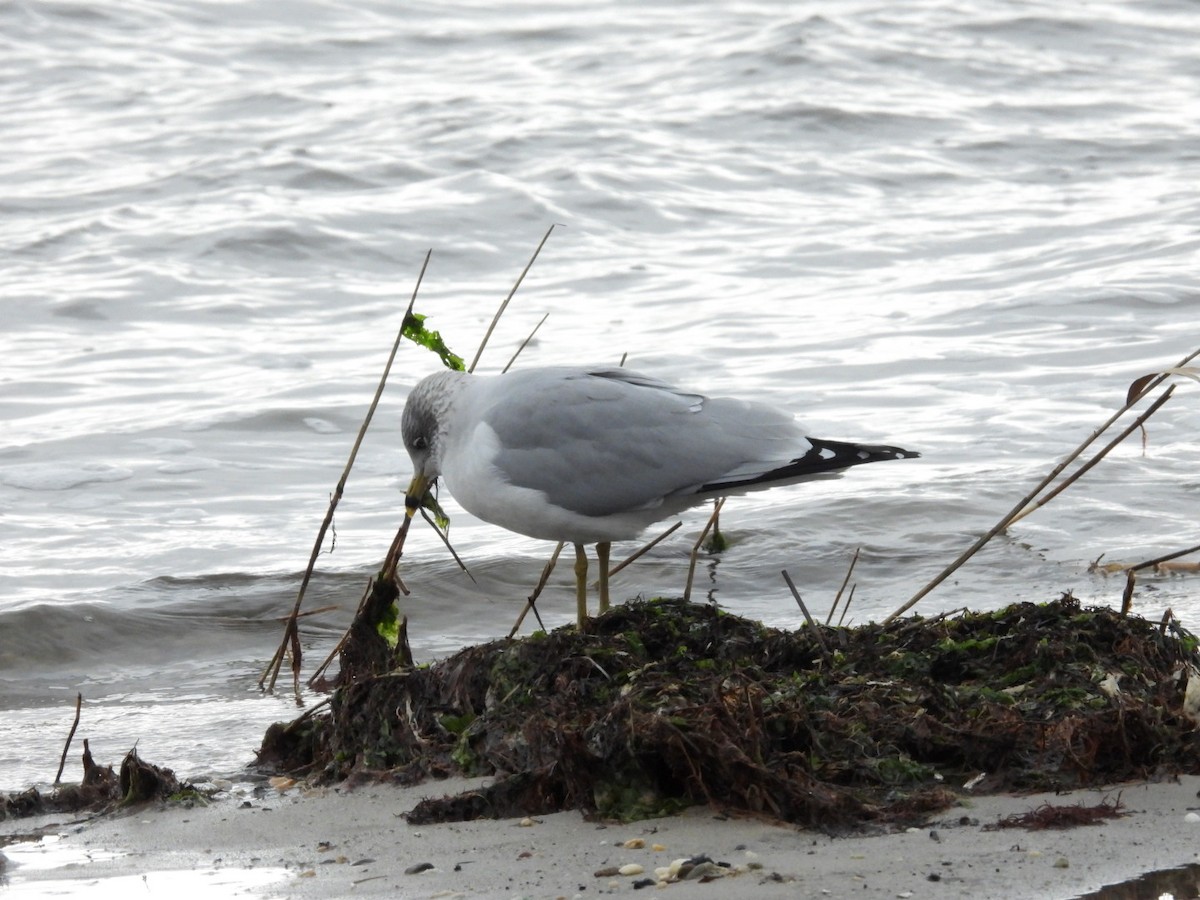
<point>595,455</point>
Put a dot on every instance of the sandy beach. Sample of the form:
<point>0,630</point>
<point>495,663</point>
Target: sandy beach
<point>355,843</point>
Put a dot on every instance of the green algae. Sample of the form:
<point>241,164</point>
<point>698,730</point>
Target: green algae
<point>659,704</point>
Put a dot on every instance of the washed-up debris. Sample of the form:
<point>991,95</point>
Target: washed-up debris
<point>102,789</point>
<point>1050,815</point>
<point>661,704</point>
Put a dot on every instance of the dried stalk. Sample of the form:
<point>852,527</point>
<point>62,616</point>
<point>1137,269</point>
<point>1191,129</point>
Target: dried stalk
<point>446,540</point>
<point>1127,596</point>
<point>1151,563</point>
<point>643,549</point>
<point>496,318</point>
<point>70,736</point>
<point>687,591</point>
<point>291,631</point>
<point>846,607</point>
<point>845,581</point>
<point>1017,510</point>
<point>812,623</point>
<point>531,600</point>
<point>1078,473</point>
<point>525,343</point>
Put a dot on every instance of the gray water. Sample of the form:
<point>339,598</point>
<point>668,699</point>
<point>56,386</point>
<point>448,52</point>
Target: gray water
<point>962,228</point>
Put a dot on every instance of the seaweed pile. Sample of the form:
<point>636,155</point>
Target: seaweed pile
<point>101,789</point>
<point>660,704</point>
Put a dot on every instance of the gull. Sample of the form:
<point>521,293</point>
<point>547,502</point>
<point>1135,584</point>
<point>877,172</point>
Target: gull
<point>595,455</point>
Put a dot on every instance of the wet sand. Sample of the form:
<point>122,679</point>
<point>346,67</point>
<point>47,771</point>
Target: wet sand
<point>355,843</point>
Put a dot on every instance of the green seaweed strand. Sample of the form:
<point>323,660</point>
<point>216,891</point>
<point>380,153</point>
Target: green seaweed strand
<point>414,329</point>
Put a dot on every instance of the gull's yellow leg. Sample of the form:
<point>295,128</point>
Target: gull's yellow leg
<point>581,584</point>
<point>602,549</point>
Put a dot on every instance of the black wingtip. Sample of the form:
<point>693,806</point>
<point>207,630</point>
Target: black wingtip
<point>842,454</point>
<point>824,457</point>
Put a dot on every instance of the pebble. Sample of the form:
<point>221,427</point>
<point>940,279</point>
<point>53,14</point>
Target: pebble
<point>704,870</point>
<point>634,844</point>
<point>1062,863</point>
<point>1192,818</point>
<point>418,868</point>
<point>630,869</point>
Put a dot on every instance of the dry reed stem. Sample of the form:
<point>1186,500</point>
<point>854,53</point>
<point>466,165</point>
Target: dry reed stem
<point>812,623</point>
<point>291,632</point>
<point>446,540</point>
<point>846,606</point>
<point>503,306</point>
<point>1014,513</point>
<point>392,560</point>
<point>1151,563</point>
<point>1127,596</point>
<point>62,762</point>
<point>845,581</point>
<point>643,549</point>
<point>1131,574</point>
<point>524,343</point>
<point>687,591</point>
<point>531,600</point>
<point>1078,473</point>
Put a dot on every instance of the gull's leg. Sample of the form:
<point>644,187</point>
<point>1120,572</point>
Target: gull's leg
<point>602,549</point>
<point>581,584</point>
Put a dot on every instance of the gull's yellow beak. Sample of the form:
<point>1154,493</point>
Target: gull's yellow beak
<point>415,494</point>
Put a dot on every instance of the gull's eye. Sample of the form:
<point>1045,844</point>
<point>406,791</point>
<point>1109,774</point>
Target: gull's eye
<point>420,443</point>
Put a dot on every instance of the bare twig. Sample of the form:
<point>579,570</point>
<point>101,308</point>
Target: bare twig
<point>70,735</point>
<point>291,632</point>
<point>395,551</point>
<point>524,343</point>
<point>328,659</point>
<point>1078,473</point>
<point>687,591</point>
<point>816,629</point>
<point>1028,498</point>
<point>446,540</point>
<point>643,549</point>
<point>846,606</point>
<point>531,601</point>
<point>1167,616</point>
<point>1151,563</point>
<point>845,581</point>
<point>1127,597</point>
<point>496,318</point>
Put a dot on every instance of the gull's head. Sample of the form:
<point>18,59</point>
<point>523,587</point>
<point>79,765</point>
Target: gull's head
<point>424,426</point>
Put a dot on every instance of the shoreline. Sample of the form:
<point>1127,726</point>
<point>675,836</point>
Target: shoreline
<point>343,842</point>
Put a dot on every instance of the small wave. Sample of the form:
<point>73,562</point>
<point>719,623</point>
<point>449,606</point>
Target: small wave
<point>60,476</point>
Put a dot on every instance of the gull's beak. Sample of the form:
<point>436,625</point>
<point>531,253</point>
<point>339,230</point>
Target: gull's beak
<point>415,494</point>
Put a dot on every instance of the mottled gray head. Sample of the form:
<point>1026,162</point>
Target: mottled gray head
<point>423,428</point>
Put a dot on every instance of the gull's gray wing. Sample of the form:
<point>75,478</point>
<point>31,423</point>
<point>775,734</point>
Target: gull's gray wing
<point>605,441</point>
